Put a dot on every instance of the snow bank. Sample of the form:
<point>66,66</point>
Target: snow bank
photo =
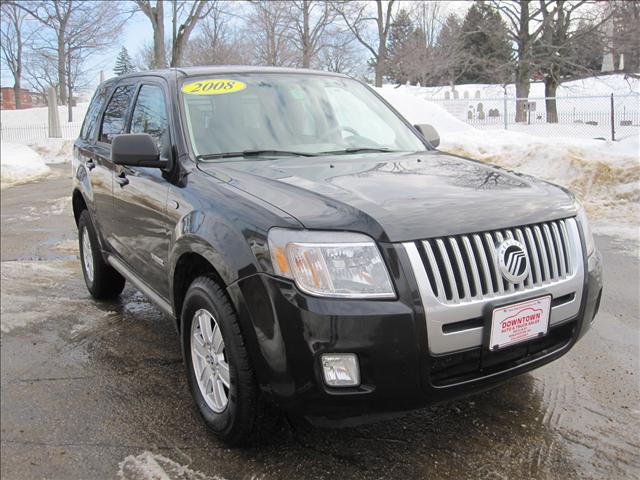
<point>19,164</point>
<point>604,175</point>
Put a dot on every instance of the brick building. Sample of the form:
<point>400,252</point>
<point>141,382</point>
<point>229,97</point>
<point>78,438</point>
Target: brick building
<point>7,98</point>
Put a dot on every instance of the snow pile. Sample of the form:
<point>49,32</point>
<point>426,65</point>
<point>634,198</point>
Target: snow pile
<point>19,164</point>
<point>54,150</point>
<point>604,175</point>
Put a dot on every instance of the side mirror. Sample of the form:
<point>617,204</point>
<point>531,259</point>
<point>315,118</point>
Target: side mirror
<point>136,150</point>
<point>429,133</point>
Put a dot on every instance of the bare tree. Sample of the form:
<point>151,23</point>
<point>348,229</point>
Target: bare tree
<point>71,31</point>
<point>558,38</point>
<point>359,17</point>
<point>271,33</point>
<point>12,39</point>
<point>53,15</point>
<point>216,42</point>
<point>155,14</point>
<point>310,19</point>
<point>185,15</point>
<point>183,25</point>
<point>341,54</point>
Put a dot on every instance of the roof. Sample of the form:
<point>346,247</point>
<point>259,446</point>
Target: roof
<point>224,69</point>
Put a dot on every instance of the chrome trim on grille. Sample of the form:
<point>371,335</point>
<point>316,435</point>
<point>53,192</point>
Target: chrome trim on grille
<point>459,275</point>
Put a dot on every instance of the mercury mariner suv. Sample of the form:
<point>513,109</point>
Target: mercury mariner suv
<point>318,254</point>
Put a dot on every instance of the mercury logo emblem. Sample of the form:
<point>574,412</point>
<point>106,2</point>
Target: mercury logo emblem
<point>513,260</point>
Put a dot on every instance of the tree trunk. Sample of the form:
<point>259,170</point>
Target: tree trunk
<point>523,85</point>
<point>17,90</point>
<point>550,87</point>
<point>157,21</point>
<point>70,90</point>
<point>62,74</point>
<point>382,46</point>
<point>306,47</point>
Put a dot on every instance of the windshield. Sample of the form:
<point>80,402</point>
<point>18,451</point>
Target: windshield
<point>291,114</point>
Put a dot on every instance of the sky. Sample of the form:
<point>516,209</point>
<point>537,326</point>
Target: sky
<point>137,32</point>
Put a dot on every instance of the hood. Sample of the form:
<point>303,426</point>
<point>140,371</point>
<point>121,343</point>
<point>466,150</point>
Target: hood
<point>395,197</point>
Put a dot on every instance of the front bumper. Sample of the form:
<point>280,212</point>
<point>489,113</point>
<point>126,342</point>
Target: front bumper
<point>286,332</point>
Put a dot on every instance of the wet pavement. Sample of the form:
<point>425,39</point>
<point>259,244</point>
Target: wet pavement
<point>97,390</point>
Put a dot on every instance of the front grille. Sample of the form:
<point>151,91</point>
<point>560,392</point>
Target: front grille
<point>464,268</point>
<point>478,362</point>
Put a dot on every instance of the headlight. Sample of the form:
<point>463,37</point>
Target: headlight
<point>581,216</point>
<point>330,264</point>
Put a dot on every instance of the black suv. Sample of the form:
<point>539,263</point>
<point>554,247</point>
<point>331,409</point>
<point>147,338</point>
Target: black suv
<point>318,254</point>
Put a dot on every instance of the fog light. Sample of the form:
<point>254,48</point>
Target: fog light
<point>341,369</point>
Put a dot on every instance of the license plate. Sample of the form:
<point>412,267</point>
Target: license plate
<point>519,322</point>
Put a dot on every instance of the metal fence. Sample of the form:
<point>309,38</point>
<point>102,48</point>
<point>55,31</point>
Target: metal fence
<point>32,133</point>
<point>606,116</point>
<point>611,116</point>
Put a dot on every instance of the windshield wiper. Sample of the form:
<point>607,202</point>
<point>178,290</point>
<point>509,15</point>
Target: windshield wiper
<point>254,153</point>
<point>357,150</point>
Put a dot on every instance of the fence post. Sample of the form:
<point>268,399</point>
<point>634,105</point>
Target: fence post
<point>504,111</point>
<point>613,125</point>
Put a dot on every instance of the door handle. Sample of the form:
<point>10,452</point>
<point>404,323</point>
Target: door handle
<point>122,179</point>
<point>90,164</point>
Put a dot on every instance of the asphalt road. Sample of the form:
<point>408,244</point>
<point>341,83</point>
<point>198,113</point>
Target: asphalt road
<point>97,390</point>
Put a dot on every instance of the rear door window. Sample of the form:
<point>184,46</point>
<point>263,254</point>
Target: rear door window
<point>91,118</point>
<point>150,115</point>
<point>115,116</point>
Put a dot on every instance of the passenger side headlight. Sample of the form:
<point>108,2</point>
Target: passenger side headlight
<point>581,216</point>
<point>330,264</point>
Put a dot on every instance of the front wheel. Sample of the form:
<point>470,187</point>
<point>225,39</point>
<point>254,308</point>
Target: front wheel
<point>102,280</point>
<point>219,371</point>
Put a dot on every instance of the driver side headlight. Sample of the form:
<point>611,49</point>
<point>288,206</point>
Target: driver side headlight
<point>330,264</point>
<point>581,216</point>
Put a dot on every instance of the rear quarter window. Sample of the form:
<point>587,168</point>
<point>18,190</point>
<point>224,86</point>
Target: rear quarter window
<point>88,131</point>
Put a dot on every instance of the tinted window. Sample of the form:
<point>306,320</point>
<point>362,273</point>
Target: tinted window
<point>116,113</point>
<point>90,119</point>
<point>150,115</point>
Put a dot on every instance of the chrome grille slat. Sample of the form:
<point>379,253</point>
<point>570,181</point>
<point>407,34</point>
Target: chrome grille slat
<point>466,268</point>
<point>475,275</point>
<point>551,252</point>
<point>494,259</point>
<point>567,249</point>
<point>435,270</point>
<point>461,268</point>
<point>561,264</point>
<point>535,255</point>
<point>448,270</point>
<point>543,254</point>
<point>484,263</point>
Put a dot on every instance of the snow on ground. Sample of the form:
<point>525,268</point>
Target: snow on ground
<point>150,466</point>
<point>40,116</point>
<point>601,85</point>
<point>19,164</point>
<point>604,175</point>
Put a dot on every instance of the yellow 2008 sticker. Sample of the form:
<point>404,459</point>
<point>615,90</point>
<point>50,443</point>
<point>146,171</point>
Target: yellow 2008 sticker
<point>214,86</point>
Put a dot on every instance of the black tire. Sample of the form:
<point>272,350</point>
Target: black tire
<point>247,418</point>
<point>105,282</point>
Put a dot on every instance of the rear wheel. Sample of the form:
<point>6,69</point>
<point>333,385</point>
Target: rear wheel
<point>219,371</point>
<point>102,280</point>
